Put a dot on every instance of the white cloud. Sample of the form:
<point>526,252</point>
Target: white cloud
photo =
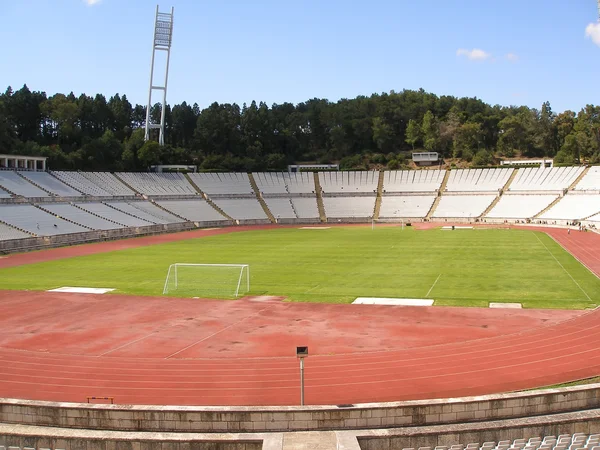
<point>593,31</point>
<point>474,55</point>
<point>512,57</point>
<point>91,2</point>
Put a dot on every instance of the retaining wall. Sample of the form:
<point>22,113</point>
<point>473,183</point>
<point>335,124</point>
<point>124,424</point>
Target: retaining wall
<point>285,418</point>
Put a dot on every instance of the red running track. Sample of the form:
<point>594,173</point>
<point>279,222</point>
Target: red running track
<point>66,347</point>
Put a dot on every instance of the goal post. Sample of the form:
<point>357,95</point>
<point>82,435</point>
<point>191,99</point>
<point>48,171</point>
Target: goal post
<point>222,280</point>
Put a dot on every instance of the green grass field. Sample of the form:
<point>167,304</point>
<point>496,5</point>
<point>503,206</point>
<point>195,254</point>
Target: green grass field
<point>464,267</point>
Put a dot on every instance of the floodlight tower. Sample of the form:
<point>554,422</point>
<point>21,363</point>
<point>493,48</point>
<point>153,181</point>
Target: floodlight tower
<point>163,33</point>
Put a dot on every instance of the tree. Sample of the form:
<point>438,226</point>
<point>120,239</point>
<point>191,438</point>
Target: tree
<point>149,154</point>
<point>467,140</point>
<point>413,133</point>
<point>431,132</point>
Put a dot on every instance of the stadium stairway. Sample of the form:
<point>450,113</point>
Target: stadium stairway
<point>205,197</point>
<point>547,208</point>
<point>260,199</point>
<point>125,212</point>
<point>437,200</point>
<point>17,228</point>
<point>8,190</point>
<point>578,179</point>
<point>63,218</point>
<point>36,185</point>
<point>499,196</point>
<point>183,219</point>
<point>125,183</point>
<point>320,204</point>
<point>64,182</point>
<point>379,194</point>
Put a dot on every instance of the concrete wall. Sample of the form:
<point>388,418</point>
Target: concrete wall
<point>447,435</point>
<point>290,418</point>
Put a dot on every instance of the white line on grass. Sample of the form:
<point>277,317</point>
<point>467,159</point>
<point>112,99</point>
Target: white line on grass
<point>563,267</point>
<point>312,288</point>
<point>433,285</point>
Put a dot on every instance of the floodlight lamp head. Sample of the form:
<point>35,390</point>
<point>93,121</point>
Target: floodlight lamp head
<point>301,352</point>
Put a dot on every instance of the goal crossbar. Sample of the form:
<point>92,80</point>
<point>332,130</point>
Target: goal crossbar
<point>173,272</point>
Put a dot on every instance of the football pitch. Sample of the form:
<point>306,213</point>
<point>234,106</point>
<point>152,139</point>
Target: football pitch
<point>339,264</point>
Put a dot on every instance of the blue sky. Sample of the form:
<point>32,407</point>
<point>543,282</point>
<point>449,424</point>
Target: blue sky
<point>293,50</point>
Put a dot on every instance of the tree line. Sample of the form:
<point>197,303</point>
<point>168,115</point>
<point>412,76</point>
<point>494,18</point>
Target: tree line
<point>93,133</point>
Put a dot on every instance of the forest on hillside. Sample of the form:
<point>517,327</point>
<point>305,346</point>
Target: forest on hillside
<point>93,133</point>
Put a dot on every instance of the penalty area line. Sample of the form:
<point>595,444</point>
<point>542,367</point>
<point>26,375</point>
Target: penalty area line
<point>563,267</point>
<point>433,285</point>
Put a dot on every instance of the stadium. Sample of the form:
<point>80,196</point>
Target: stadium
<point>440,292</point>
<point>229,364</point>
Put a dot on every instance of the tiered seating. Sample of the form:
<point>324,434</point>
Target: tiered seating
<point>594,218</point>
<point>285,183</point>
<point>590,181</point>
<point>469,206</point>
<point>281,207</point>
<point>82,184</point>
<point>306,207</point>
<point>158,183</point>
<point>108,182</point>
<point>349,182</point>
<point>349,206</point>
<point>477,180</point>
<point>50,184</point>
<point>110,213</point>
<point>70,212</point>
<point>242,208</point>
<point>4,194</point>
<point>155,211</point>
<point>14,183</point>
<point>573,207</point>
<point>7,233</point>
<point>575,441</point>
<point>222,183</point>
<point>196,210</point>
<point>519,206</point>
<point>36,221</point>
<point>545,179</point>
<point>406,205</point>
<point>413,180</point>
<point>132,210</point>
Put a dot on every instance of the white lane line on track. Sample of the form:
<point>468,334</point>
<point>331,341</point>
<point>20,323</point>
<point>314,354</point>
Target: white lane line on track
<point>563,267</point>
<point>216,332</point>
<point>432,286</point>
<point>583,249</point>
<point>126,344</point>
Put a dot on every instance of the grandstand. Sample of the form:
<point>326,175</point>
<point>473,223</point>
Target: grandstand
<point>477,180</point>
<point>63,202</point>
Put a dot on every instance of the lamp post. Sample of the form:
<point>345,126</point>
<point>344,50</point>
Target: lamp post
<point>301,353</point>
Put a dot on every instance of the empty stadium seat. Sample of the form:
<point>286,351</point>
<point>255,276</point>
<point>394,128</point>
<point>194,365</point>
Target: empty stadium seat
<point>416,206</point>
<point>477,180</point>
<point>463,206</point>
<point>13,182</point>
<point>590,181</point>
<point>349,182</point>
<point>573,207</point>
<point>223,183</point>
<point>113,214</point>
<point>281,207</point>
<point>519,206</point>
<point>196,210</point>
<point>143,214</point>
<point>78,215</point>
<point>158,183</point>
<point>36,221</point>
<point>306,207</point>
<point>349,206</point>
<point>413,180</point>
<point>7,233</point>
<point>50,184</point>
<point>242,208</point>
<point>544,178</point>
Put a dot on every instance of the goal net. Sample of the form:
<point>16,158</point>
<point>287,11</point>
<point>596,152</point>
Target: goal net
<point>207,280</point>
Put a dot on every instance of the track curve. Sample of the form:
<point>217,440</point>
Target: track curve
<point>455,357</point>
